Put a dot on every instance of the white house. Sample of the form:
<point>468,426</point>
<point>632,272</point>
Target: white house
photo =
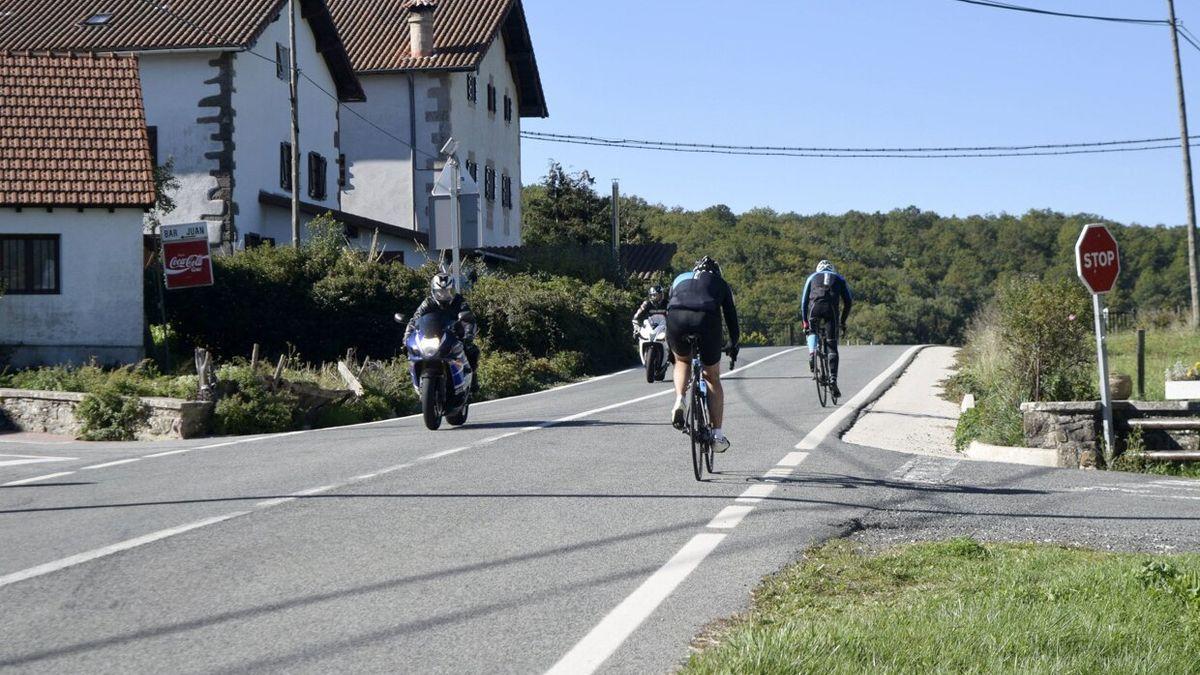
<point>432,70</point>
<point>75,181</point>
<point>216,93</point>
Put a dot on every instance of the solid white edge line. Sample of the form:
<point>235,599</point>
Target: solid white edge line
<point>93,554</point>
<point>729,517</point>
<point>115,463</point>
<point>793,458</point>
<point>274,502</point>
<point>168,452</point>
<point>587,655</point>
<point>35,479</point>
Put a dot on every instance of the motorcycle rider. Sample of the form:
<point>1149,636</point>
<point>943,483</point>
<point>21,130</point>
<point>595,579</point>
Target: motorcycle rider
<point>655,303</point>
<point>698,300</point>
<point>453,308</point>
<point>824,291</point>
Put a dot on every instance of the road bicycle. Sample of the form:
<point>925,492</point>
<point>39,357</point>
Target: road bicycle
<point>698,423</point>
<point>821,374</point>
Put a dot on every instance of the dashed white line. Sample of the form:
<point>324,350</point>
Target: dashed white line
<point>93,554</point>
<point>31,459</point>
<point>274,502</point>
<point>793,459</point>
<point>443,453</point>
<point>117,462</point>
<point>316,490</point>
<point>755,493</point>
<point>729,517</point>
<point>169,452</point>
<point>926,469</point>
<point>36,479</point>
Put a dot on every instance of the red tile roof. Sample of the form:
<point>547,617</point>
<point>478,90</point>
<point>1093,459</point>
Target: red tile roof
<point>375,33</point>
<point>73,132</point>
<point>153,25</point>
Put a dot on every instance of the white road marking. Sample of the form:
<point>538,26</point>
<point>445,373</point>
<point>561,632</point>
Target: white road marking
<point>779,472</point>
<point>852,407</point>
<point>274,502</point>
<point>793,459</point>
<point>168,452</point>
<point>443,453</point>
<point>755,493</point>
<point>22,460</point>
<point>587,655</point>
<point>925,469</point>
<point>35,479</point>
<point>115,463</point>
<point>729,517</point>
<point>316,490</point>
<point>16,441</point>
<point>365,476</point>
<point>93,554</point>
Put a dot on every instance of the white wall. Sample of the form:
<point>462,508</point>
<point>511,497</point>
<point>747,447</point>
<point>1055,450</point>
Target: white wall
<point>172,87</point>
<point>99,310</point>
<point>486,137</point>
<point>262,120</point>
<point>379,180</point>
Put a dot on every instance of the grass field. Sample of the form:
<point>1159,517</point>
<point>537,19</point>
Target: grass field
<point>1163,348</point>
<point>959,606</point>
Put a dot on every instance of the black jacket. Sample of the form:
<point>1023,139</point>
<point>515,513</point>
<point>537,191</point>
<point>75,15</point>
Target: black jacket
<point>706,292</point>
<point>647,308</point>
<point>449,314</point>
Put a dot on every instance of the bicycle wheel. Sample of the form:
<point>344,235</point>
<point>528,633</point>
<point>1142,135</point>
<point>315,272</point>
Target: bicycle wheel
<point>821,376</point>
<point>707,435</point>
<point>693,428</point>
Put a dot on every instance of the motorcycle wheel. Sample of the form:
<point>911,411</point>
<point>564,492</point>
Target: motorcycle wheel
<point>459,418</point>
<point>429,403</point>
<point>653,361</point>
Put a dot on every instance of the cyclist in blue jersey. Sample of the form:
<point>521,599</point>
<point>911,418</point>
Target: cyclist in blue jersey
<point>824,292</point>
<point>698,300</point>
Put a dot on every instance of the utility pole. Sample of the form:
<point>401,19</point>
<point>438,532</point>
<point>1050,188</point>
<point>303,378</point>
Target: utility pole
<point>616,219</point>
<point>292,74</point>
<point>1185,142</point>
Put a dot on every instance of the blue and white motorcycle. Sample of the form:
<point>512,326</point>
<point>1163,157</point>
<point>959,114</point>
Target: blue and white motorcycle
<point>440,370</point>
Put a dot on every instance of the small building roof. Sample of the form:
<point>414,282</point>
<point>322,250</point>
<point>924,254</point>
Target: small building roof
<point>152,25</point>
<point>73,132</point>
<point>375,33</point>
<point>645,261</point>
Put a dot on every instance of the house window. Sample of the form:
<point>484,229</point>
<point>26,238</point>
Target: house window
<point>341,161</point>
<point>506,192</point>
<point>472,88</point>
<point>285,166</point>
<point>283,62</point>
<point>491,98</point>
<point>152,138</point>
<point>29,264</point>
<point>316,175</point>
<point>473,170</point>
<point>507,108</point>
<point>489,184</point>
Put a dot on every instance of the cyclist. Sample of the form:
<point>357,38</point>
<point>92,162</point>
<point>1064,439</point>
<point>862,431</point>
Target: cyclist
<point>824,291</point>
<point>698,300</point>
<point>453,308</point>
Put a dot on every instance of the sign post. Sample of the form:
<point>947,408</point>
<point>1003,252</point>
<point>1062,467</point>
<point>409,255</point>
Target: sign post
<point>452,183</point>
<point>1098,262</point>
<point>187,262</point>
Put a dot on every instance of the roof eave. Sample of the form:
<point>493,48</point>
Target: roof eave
<point>515,28</point>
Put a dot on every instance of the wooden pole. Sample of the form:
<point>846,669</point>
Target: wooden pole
<point>295,101</point>
<point>1141,363</point>
<point>1185,143</point>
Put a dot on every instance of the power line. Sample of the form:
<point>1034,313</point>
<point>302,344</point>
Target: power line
<point>716,150</point>
<point>1034,10</point>
<point>673,145</point>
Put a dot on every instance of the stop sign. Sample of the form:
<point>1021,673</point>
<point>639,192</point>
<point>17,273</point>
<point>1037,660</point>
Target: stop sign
<point>1097,259</point>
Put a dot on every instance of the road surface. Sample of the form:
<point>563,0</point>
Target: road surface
<point>560,530</point>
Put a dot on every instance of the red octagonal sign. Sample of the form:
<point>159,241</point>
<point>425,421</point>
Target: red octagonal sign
<point>1097,258</point>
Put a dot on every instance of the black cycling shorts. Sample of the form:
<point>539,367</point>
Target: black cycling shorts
<point>705,325</point>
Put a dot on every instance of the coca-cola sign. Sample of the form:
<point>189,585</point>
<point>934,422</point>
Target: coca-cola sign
<point>187,262</point>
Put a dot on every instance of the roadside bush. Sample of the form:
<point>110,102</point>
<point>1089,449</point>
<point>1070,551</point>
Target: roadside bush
<point>511,374</point>
<point>109,414</point>
<point>368,408</point>
<point>1045,329</point>
<point>139,379</point>
<point>249,407</point>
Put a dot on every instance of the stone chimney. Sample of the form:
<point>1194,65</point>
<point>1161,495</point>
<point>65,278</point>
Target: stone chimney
<point>420,27</point>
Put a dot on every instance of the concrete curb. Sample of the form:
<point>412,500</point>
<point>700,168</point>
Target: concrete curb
<point>982,452</point>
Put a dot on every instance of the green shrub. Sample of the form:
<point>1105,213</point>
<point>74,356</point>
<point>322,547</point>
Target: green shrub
<point>248,407</point>
<point>109,414</point>
<point>140,379</point>
<point>1047,338</point>
<point>368,408</point>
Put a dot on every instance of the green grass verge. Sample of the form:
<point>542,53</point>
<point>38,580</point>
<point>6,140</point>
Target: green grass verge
<point>1163,348</point>
<point>959,606</point>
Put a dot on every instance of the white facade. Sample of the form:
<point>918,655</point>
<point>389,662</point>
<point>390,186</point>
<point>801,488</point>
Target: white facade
<point>384,183</point>
<point>98,309</point>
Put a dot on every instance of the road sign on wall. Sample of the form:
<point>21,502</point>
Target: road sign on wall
<point>1097,258</point>
<point>187,261</point>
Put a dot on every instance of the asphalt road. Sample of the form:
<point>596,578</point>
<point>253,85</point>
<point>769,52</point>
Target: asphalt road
<point>561,529</point>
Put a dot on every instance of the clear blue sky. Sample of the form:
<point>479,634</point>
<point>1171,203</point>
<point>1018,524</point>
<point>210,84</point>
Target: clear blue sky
<point>866,73</point>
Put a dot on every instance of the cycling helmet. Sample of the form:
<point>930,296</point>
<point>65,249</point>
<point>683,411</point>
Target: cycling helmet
<point>707,264</point>
<point>441,289</point>
<point>826,266</point>
<point>655,294</point>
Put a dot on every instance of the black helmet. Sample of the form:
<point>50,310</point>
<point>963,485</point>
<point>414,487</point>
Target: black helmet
<point>707,264</point>
<point>655,294</point>
<point>441,288</point>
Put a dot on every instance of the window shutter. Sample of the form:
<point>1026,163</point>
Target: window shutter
<point>285,166</point>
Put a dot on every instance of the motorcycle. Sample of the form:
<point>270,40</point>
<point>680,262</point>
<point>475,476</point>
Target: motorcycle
<point>440,371</point>
<point>652,346</point>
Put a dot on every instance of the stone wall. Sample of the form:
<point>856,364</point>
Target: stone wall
<point>1073,428</point>
<point>54,412</point>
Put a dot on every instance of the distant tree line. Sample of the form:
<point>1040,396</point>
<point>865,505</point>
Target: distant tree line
<point>917,276</point>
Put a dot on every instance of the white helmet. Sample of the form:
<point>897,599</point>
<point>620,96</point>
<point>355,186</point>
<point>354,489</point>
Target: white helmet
<point>441,288</point>
<point>826,266</point>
